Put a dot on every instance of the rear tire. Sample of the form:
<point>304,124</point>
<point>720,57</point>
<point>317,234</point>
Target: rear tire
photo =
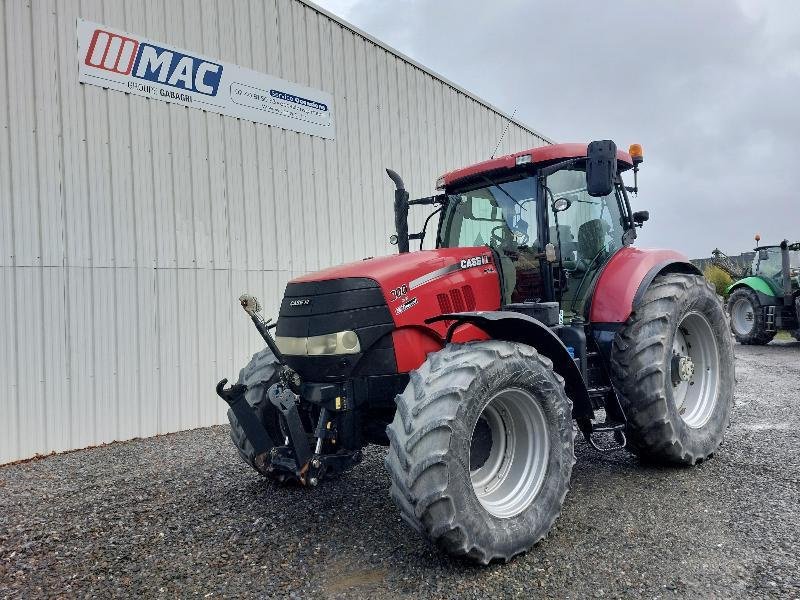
<point>481,449</point>
<point>748,322</point>
<point>259,374</point>
<point>672,365</point>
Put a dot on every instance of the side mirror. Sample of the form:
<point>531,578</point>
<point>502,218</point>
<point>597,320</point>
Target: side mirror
<point>601,167</point>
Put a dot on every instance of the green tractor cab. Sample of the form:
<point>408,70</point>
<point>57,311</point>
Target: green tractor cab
<point>768,300</point>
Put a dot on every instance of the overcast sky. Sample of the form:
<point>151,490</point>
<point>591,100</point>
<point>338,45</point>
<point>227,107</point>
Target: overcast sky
<point>710,89</point>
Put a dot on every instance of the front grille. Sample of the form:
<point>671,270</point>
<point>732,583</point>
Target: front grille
<point>311,308</point>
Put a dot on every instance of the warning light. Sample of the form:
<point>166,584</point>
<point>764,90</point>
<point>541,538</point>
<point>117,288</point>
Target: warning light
<point>635,150</point>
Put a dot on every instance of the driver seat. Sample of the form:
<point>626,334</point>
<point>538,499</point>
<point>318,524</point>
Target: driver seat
<point>591,242</point>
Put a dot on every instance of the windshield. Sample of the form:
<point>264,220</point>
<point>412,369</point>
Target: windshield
<point>502,216</point>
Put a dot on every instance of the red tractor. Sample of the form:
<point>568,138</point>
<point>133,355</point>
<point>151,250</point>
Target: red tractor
<point>471,362</point>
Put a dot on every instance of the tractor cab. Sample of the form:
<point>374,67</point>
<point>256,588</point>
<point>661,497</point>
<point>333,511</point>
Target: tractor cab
<point>768,263</point>
<point>550,236</point>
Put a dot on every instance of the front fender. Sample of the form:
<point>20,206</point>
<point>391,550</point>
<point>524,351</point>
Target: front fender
<point>517,327</point>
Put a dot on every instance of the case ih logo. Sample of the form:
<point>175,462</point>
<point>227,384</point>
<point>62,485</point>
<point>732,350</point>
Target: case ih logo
<point>127,56</point>
<point>475,261</point>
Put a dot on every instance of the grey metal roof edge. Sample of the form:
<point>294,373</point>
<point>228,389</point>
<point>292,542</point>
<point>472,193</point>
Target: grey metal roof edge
<point>421,67</point>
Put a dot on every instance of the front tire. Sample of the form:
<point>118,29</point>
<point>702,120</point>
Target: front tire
<point>748,321</point>
<point>673,368</point>
<point>482,449</point>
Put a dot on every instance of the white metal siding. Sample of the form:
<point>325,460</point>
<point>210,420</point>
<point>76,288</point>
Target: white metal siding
<point>128,226</point>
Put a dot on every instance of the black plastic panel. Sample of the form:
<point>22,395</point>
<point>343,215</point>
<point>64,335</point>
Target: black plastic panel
<point>320,307</point>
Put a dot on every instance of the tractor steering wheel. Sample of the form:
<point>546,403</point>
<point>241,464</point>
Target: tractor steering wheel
<point>497,241</point>
<point>520,237</point>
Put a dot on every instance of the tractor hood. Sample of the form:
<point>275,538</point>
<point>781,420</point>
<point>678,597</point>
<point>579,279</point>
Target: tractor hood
<point>378,296</point>
<point>410,269</point>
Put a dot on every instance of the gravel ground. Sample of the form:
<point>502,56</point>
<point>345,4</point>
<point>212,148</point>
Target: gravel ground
<point>180,515</point>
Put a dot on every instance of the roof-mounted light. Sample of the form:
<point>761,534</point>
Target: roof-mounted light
<point>440,183</point>
<point>637,155</point>
<point>523,159</point>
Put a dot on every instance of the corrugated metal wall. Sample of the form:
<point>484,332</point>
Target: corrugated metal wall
<point>128,226</point>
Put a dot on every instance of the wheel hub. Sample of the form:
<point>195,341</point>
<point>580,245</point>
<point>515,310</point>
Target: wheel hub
<point>682,369</point>
<point>695,369</point>
<point>743,316</point>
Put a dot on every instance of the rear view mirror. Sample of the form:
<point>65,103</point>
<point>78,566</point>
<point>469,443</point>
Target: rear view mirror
<point>763,255</point>
<point>601,167</point>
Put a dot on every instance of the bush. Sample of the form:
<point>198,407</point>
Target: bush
<point>719,278</point>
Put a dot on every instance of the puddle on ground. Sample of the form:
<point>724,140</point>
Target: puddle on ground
<point>356,581</point>
<point>764,426</point>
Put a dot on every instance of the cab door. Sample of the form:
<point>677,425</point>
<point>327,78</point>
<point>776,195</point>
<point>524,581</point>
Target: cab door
<point>587,233</point>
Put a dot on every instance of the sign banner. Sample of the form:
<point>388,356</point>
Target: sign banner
<point>130,63</point>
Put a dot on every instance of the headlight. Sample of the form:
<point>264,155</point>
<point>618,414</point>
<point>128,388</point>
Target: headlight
<point>342,342</point>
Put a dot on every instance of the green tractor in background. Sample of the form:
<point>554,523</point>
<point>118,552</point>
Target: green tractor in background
<point>767,300</point>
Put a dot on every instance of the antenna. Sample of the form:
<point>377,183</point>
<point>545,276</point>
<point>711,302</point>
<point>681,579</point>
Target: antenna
<point>502,135</point>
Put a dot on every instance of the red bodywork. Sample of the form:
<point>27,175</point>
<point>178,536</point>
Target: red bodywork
<point>538,155</point>
<point>617,285</point>
<point>421,285</point>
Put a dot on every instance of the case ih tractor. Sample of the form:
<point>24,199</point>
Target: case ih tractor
<point>476,362</point>
<point>769,299</point>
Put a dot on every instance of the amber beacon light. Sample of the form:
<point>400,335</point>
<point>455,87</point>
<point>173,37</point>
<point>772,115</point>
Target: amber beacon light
<point>635,150</point>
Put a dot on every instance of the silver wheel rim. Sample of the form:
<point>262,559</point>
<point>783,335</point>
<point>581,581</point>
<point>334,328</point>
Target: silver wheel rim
<point>743,316</point>
<point>695,394</point>
<point>513,473</point>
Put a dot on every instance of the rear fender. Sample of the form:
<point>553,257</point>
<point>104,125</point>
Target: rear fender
<point>626,277</point>
<point>754,283</point>
<point>517,327</point>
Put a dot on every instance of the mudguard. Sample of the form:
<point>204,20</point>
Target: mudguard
<point>517,327</point>
<point>757,284</point>
<point>626,277</point>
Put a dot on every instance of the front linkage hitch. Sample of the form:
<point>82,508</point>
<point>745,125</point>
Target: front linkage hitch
<point>294,461</point>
